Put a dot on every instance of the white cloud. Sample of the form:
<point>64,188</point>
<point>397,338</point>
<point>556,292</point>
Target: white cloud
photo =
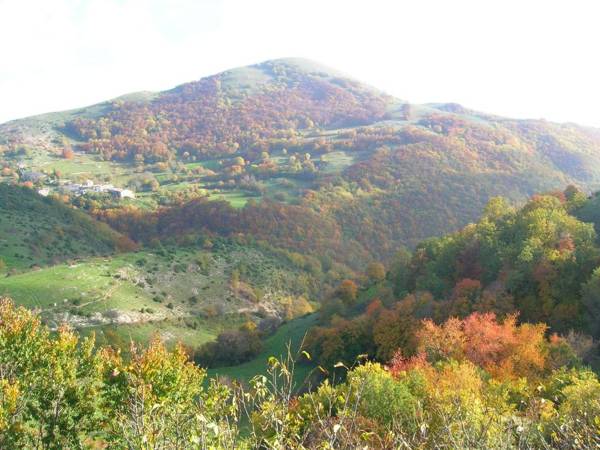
<point>518,58</point>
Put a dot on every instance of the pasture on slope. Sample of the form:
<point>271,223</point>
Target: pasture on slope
<point>190,294</point>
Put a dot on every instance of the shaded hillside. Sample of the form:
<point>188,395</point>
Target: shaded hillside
<point>37,231</point>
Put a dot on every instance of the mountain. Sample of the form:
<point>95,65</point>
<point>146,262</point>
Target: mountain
<point>374,170</point>
<point>380,171</point>
<point>216,115</point>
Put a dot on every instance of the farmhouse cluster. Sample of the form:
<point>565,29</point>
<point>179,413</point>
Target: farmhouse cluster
<point>74,189</point>
<point>88,186</point>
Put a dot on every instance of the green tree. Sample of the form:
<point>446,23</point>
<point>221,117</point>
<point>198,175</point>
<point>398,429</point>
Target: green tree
<point>51,385</point>
<point>376,272</point>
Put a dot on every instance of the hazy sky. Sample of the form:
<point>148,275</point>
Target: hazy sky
<point>524,58</point>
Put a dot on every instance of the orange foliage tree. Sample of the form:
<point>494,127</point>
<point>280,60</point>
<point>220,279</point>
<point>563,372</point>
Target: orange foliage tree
<point>503,348</point>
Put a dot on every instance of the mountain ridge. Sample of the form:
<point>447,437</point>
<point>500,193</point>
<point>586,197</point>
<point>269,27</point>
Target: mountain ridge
<point>145,95</point>
<point>300,64</point>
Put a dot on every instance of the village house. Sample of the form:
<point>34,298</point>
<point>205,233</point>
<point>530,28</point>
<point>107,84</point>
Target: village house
<point>121,193</point>
<point>103,187</point>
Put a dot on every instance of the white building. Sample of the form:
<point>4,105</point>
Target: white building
<point>121,193</point>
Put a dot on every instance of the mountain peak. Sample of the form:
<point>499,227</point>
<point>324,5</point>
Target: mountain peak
<point>304,65</point>
<point>255,76</point>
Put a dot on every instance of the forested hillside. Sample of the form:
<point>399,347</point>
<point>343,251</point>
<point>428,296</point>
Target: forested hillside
<point>232,111</point>
<point>537,263</point>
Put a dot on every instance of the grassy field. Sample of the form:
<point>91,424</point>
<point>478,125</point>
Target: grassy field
<point>190,333</point>
<point>292,334</point>
<point>186,293</point>
<point>337,161</point>
<point>236,198</point>
<point>94,285</point>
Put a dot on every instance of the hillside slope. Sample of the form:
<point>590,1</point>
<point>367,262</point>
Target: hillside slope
<point>539,263</point>
<point>180,294</point>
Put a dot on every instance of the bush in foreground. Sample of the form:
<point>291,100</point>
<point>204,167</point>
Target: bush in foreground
<point>58,391</point>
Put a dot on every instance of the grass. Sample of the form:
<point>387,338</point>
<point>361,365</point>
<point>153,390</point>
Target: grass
<point>244,80</point>
<point>337,161</point>
<point>184,293</point>
<point>91,286</point>
<point>236,198</point>
<point>291,333</point>
<point>170,332</point>
<point>212,164</point>
<point>80,166</point>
